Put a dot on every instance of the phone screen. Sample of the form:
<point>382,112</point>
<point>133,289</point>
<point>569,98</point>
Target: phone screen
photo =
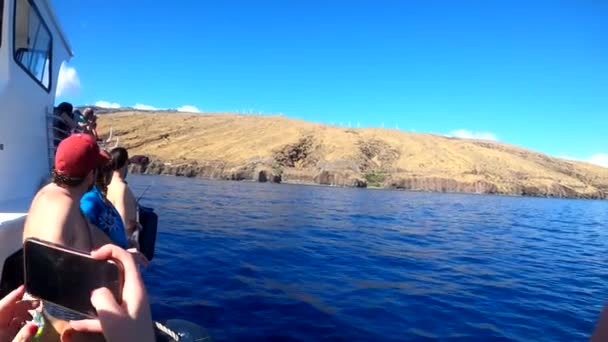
<point>66,277</point>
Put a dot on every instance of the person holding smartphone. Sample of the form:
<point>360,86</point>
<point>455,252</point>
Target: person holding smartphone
<point>121,313</point>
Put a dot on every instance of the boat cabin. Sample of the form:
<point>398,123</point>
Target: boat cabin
<point>32,50</point>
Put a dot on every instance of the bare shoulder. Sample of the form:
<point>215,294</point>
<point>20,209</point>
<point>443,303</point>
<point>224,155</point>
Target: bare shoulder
<point>116,191</point>
<point>117,188</point>
<point>49,211</point>
<point>51,196</point>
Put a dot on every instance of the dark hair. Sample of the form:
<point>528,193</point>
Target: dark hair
<point>65,107</point>
<point>66,181</point>
<point>120,157</point>
<point>104,176</point>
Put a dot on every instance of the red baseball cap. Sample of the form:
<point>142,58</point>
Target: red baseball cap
<point>77,155</point>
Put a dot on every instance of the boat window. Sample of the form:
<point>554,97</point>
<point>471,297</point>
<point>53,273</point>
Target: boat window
<point>33,43</point>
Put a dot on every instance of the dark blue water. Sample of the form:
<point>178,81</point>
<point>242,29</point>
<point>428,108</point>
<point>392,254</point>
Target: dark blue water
<point>280,262</point>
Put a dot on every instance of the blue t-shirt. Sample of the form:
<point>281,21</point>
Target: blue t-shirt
<point>103,215</point>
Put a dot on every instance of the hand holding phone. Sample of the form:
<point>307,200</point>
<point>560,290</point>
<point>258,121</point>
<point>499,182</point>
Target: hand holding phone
<point>67,277</point>
<point>129,321</point>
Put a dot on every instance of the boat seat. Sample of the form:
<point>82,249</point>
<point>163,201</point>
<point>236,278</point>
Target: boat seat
<point>12,273</point>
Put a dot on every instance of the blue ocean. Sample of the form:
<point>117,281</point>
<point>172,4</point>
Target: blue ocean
<point>267,262</point>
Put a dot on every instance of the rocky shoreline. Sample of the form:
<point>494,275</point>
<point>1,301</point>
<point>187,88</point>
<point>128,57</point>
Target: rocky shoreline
<point>259,172</point>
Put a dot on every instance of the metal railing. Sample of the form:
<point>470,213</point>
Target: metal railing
<point>52,133</point>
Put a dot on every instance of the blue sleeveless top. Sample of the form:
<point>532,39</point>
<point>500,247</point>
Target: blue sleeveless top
<point>102,214</point>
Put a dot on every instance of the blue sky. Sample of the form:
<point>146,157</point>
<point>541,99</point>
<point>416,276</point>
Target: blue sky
<point>530,73</point>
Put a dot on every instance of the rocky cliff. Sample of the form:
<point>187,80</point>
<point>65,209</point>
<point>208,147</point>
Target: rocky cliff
<point>279,149</point>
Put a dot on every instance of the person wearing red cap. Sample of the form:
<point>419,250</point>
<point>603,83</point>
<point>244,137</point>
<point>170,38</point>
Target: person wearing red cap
<point>55,214</point>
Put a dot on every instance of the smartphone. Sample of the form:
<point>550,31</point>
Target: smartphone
<point>66,277</point>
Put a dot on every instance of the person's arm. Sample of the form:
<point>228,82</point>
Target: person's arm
<point>69,121</point>
<point>120,200</point>
<point>49,221</point>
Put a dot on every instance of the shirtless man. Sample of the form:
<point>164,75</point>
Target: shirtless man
<point>55,214</point>
<point>121,196</point>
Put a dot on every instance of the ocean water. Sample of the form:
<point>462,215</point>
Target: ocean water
<point>271,262</point>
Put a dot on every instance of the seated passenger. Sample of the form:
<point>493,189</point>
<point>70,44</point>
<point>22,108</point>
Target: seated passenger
<point>55,214</point>
<point>122,197</point>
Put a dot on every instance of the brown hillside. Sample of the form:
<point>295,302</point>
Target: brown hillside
<point>276,148</point>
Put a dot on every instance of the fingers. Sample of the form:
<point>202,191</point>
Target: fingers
<point>14,326</point>
<point>26,333</point>
<point>22,317</point>
<point>116,253</point>
<point>21,308</point>
<point>12,298</point>
<point>87,325</point>
<point>133,285</point>
<point>103,301</point>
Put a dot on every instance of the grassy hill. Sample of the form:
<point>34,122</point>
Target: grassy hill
<point>280,149</point>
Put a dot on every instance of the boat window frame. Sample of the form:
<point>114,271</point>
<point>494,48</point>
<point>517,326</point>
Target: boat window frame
<point>14,52</point>
<point>1,20</point>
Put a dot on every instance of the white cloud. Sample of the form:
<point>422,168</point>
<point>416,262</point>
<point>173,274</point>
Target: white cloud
<point>106,104</point>
<point>188,109</point>
<point>600,159</point>
<point>140,106</point>
<point>68,81</point>
<point>466,134</point>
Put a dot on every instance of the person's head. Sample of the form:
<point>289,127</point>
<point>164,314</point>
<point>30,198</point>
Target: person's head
<point>76,161</point>
<point>120,158</point>
<point>64,107</point>
<point>89,115</point>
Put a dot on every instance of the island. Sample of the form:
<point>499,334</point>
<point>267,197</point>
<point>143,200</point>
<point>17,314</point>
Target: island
<point>275,148</point>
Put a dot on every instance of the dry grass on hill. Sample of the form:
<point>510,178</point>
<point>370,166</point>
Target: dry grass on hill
<point>384,156</point>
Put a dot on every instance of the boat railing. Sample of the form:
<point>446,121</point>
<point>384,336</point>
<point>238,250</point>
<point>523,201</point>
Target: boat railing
<point>52,134</point>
